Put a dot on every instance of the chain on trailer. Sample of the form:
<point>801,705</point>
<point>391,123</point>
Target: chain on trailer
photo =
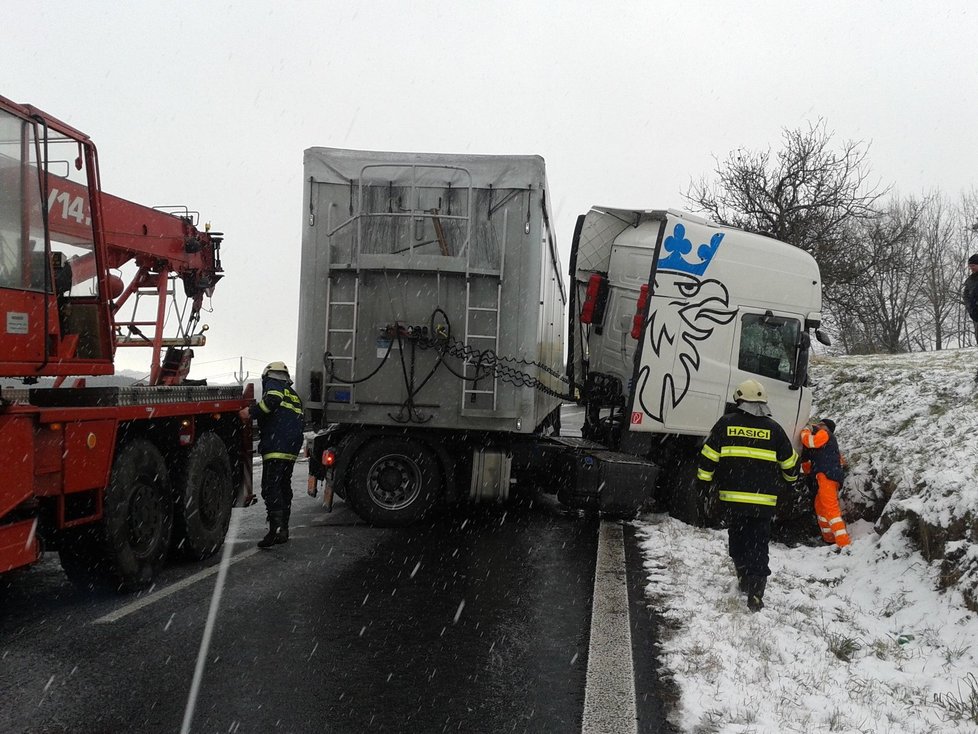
<point>494,365</point>
<point>439,338</point>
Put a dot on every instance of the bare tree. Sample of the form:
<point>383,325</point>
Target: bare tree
<point>875,308</point>
<point>940,235</point>
<point>808,194</point>
<point>967,245</point>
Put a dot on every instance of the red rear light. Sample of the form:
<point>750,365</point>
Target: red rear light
<point>595,299</point>
<point>329,458</point>
<point>186,432</point>
<point>643,300</point>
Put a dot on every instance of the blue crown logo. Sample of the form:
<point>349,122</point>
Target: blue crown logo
<point>678,247</point>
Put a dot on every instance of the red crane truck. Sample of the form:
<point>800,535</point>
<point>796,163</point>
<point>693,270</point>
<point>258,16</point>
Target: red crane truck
<point>115,478</point>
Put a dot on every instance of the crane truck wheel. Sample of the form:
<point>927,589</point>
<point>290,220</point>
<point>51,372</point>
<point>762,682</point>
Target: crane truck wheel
<point>138,515</point>
<point>394,482</point>
<point>204,497</point>
<point>129,546</point>
<point>82,557</point>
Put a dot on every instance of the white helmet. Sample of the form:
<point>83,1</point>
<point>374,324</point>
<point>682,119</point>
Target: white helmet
<point>277,371</point>
<point>750,391</point>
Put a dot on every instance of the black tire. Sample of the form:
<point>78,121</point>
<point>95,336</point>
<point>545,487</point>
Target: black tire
<point>686,501</point>
<point>394,482</point>
<point>203,500</point>
<point>82,555</point>
<point>129,546</point>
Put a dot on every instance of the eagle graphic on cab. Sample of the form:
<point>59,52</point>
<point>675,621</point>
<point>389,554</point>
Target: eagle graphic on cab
<point>686,309</point>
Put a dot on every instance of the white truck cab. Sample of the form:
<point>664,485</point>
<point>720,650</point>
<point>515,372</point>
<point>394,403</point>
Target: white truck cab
<point>676,311</point>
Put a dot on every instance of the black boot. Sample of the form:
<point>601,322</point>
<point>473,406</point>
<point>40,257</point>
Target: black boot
<point>283,529</point>
<point>755,592</point>
<point>275,521</point>
<point>742,580</point>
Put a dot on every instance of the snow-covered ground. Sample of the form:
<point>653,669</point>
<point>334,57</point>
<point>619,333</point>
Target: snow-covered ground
<point>877,639</point>
<point>858,642</point>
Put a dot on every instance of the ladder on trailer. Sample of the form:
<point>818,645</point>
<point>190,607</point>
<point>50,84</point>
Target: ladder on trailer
<point>482,342</point>
<point>340,337</point>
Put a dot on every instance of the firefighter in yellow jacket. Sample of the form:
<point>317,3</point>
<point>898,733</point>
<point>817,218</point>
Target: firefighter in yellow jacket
<point>280,423</point>
<point>750,461</point>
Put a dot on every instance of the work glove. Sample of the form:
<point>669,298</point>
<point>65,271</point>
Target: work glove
<point>703,488</point>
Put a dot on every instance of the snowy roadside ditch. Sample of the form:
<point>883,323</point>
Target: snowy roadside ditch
<point>857,642</point>
<point>908,424</point>
<point>882,638</point>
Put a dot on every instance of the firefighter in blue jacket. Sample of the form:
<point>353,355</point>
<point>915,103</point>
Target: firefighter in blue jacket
<point>280,423</point>
<point>750,460</point>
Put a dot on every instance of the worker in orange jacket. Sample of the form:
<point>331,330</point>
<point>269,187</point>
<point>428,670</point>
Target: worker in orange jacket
<point>821,458</point>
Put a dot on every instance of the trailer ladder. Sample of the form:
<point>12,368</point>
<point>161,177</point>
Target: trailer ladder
<point>340,337</point>
<point>482,342</point>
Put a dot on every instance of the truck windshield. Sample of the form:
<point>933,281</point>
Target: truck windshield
<point>768,345</point>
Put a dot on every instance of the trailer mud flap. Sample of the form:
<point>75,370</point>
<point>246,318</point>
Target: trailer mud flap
<point>612,483</point>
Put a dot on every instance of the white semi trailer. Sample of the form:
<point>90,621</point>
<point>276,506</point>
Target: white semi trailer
<point>431,336</point>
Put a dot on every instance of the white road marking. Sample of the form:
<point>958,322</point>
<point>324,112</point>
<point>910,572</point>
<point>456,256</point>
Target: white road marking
<point>609,696</point>
<point>205,642</point>
<point>145,601</point>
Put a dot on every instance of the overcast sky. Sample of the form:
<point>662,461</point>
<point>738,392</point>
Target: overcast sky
<point>212,104</point>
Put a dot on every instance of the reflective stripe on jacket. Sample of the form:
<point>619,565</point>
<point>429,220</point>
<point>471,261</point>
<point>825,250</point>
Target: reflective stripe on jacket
<point>750,459</point>
<point>280,421</point>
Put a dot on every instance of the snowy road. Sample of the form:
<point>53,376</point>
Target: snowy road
<point>477,622</point>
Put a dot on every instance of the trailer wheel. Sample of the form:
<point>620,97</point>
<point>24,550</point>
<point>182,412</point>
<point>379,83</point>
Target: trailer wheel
<point>204,499</point>
<point>394,482</point>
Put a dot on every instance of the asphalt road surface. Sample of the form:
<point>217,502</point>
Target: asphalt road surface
<point>474,622</point>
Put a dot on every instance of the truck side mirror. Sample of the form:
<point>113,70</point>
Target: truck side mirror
<point>823,338</point>
<point>801,363</point>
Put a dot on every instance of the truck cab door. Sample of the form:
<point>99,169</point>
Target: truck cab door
<point>23,274</point>
<point>53,305</point>
<point>767,347</point>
